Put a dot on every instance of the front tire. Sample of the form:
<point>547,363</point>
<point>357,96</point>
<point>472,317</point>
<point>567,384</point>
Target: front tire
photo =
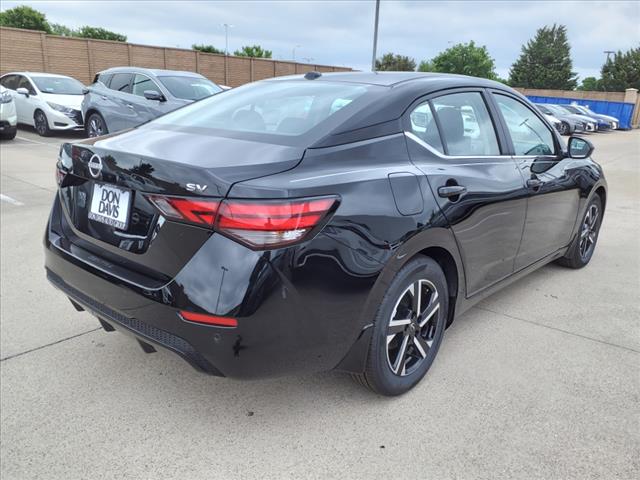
<point>41,123</point>
<point>581,251</point>
<point>96,126</point>
<point>408,328</point>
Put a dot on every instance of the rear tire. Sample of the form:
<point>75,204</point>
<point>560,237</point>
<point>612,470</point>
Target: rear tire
<point>41,123</point>
<point>95,125</point>
<point>582,248</point>
<point>408,328</point>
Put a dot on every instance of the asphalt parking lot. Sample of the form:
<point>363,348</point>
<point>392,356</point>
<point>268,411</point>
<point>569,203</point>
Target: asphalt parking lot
<point>541,380</point>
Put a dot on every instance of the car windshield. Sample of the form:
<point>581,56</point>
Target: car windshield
<point>280,108</point>
<point>544,109</point>
<point>557,109</point>
<point>190,88</point>
<point>58,85</point>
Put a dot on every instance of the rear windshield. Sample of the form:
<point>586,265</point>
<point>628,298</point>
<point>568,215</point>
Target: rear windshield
<point>58,85</point>
<point>274,108</point>
<point>190,88</point>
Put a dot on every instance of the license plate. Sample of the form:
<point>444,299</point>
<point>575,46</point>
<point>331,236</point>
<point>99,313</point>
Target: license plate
<point>110,205</point>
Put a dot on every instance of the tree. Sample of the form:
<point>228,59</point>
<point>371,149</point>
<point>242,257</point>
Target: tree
<point>396,63</point>
<point>590,84</point>
<point>463,59</point>
<point>207,49</point>
<point>622,72</point>
<point>24,17</point>
<point>63,30</point>
<point>99,34</point>
<point>545,61</point>
<point>253,51</point>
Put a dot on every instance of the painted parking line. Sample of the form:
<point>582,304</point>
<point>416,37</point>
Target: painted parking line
<point>8,199</point>
<point>37,142</point>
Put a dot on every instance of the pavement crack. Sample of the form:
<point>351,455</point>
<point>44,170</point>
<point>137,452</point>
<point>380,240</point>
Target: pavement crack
<point>559,330</point>
<point>9,357</point>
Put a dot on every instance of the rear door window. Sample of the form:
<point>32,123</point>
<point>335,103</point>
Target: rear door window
<point>465,125</point>
<point>9,81</point>
<point>121,82</point>
<point>105,78</point>
<point>424,126</point>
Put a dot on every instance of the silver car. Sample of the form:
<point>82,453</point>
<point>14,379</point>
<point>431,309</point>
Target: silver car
<point>125,97</point>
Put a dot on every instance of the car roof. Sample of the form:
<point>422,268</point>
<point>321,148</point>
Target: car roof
<point>157,72</point>
<point>39,74</point>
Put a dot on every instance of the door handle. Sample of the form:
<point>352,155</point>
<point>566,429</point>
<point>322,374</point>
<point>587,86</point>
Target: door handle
<point>130,106</point>
<point>452,191</point>
<point>534,183</point>
<point>104,97</point>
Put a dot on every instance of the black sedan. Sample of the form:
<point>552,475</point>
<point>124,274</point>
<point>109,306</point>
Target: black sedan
<point>326,221</point>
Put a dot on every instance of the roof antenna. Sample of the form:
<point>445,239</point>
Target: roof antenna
<point>312,75</point>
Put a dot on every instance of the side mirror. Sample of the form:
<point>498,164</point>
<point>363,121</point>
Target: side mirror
<point>23,91</point>
<point>579,147</point>
<point>154,95</point>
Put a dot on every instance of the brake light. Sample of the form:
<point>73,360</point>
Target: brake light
<point>198,211</point>
<point>208,319</point>
<point>264,224</point>
<point>257,224</point>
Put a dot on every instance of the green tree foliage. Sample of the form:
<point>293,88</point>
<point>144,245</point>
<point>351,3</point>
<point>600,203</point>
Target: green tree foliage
<point>63,30</point>
<point>622,71</point>
<point>99,34</point>
<point>463,59</point>
<point>24,17</point>
<point>545,61</point>
<point>395,63</point>
<point>253,51</point>
<point>590,84</point>
<point>207,49</point>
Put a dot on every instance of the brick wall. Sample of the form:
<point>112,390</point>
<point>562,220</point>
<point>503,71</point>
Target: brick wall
<point>28,50</point>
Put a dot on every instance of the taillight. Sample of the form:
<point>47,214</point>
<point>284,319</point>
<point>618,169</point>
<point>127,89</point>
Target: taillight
<point>198,211</point>
<point>257,224</point>
<point>264,224</point>
<point>208,319</point>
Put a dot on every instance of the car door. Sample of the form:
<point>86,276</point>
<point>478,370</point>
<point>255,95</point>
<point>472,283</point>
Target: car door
<point>25,105</point>
<point>548,178</point>
<point>453,139</point>
<point>114,102</point>
<point>146,109</point>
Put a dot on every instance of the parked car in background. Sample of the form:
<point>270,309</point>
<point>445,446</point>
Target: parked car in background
<point>8,116</point>
<point>557,124</point>
<point>125,97</point>
<point>569,123</point>
<point>46,101</point>
<point>589,124</point>
<point>600,122</point>
<point>304,223</point>
<point>613,121</point>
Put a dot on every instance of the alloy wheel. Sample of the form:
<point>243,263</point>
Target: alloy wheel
<point>412,327</point>
<point>589,231</point>
<point>41,123</point>
<point>96,126</point>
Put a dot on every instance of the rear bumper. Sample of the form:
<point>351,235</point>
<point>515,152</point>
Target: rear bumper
<point>295,313</point>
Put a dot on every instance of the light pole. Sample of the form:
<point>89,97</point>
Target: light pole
<point>226,26</point>
<point>609,53</point>
<point>375,37</point>
<point>293,52</point>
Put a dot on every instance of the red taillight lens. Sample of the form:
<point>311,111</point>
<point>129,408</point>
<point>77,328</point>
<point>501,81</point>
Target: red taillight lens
<point>257,224</point>
<point>208,319</point>
<point>198,211</point>
<point>263,224</point>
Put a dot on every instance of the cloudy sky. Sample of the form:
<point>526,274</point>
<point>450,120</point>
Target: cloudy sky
<point>340,32</point>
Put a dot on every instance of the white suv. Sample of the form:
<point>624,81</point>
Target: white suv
<point>8,117</point>
<point>46,101</point>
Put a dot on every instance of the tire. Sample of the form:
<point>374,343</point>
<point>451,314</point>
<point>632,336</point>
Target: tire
<point>9,134</point>
<point>41,123</point>
<point>387,372</point>
<point>95,126</point>
<point>581,251</point>
<point>565,129</point>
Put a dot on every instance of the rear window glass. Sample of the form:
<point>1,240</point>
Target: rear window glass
<point>58,85</point>
<point>121,82</point>
<point>190,88</point>
<point>280,108</point>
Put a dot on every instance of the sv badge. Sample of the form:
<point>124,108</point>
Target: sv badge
<point>196,187</point>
